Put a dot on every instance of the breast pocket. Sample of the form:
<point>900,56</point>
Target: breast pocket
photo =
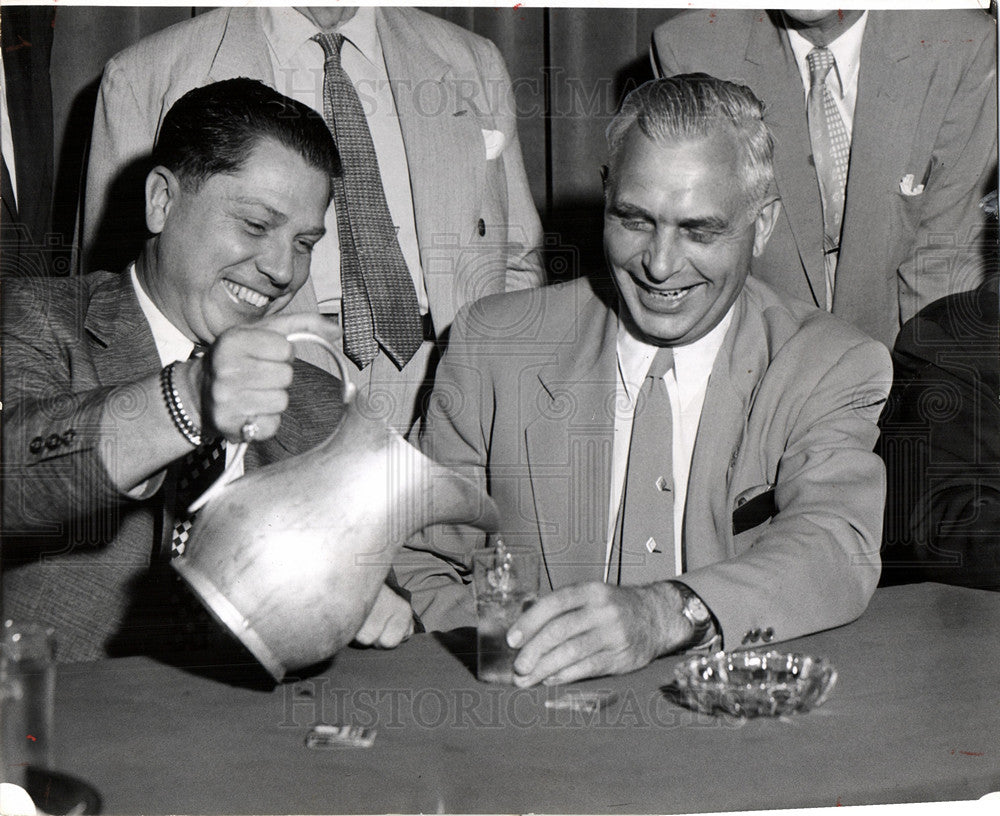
<point>753,507</point>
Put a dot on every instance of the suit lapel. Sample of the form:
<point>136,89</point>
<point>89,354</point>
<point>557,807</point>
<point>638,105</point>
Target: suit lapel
<point>439,123</point>
<point>116,321</point>
<point>777,81</point>
<point>569,445</point>
<point>879,138</point>
<point>735,376</point>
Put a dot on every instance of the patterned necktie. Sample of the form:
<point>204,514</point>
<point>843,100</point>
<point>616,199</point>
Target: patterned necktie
<point>189,478</point>
<point>379,304</point>
<point>195,473</point>
<point>643,549</point>
<point>831,148</point>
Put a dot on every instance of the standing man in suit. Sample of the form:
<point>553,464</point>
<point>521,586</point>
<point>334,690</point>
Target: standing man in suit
<point>692,455</point>
<point>438,106</point>
<point>107,401</point>
<point>880,162</point>
<point>25,139</point>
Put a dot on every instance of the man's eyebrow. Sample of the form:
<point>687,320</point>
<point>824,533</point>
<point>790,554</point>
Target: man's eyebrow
<point>624,209</point>
<point>276,215</point>
<point>708,223</point>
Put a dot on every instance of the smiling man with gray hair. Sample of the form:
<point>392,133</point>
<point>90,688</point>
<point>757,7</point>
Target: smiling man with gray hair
<point>691,453</point>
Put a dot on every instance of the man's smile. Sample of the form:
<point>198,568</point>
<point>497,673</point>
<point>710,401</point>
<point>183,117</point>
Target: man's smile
<point>666,296</point>
<point>244,295</point>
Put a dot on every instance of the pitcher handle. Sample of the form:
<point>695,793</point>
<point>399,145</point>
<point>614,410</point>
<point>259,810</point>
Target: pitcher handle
<point>229,474</point>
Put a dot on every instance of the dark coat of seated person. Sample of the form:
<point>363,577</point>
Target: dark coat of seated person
<point>107,393</point>
<point>941,444</point>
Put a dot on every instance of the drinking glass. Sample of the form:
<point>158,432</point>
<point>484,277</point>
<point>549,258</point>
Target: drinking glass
<point>506,583</point>
<point>27,699</point>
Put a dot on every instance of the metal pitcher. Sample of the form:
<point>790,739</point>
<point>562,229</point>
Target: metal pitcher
<point>290,557</point>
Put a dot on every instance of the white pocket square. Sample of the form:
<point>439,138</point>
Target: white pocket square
<point>908,188</point>
<point>495,143</point>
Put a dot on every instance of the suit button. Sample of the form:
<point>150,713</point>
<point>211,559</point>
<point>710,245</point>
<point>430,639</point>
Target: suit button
<point>36,445</point>
<point>53,441</point>
<point>481,228</point>
<point>767,635</point>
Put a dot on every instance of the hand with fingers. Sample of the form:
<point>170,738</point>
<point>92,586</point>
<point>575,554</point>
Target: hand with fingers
<point>594,629</point>
<point>245,376</point>
<point>388,624</point>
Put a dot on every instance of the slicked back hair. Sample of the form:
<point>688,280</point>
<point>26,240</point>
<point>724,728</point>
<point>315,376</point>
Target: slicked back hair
<point>213,129</point>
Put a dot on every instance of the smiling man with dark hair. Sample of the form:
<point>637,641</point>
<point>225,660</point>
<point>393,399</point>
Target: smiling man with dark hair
<point>693,459</point>
<point>118,385</point>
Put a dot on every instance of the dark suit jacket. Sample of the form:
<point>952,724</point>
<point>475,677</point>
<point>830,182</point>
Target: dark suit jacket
<point>524,402</point>
<point>941,444</point>
<point>26,39</point>
<point>927,107</point>
<point>73,545</point>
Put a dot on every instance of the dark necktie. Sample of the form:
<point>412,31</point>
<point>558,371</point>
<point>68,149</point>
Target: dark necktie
<point>181,623</point>
<point>831,148</point>
<point>196,472</point>
<point>189,478</point>
<point>379,304</point>
<point>643,549</point>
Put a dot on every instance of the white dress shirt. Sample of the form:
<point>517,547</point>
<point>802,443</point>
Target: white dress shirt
<point>171,344</point>
<point>297,62</point>
<point>686,384</point>
<point>843,79</point>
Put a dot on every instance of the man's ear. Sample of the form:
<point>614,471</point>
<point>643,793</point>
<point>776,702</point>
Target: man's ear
<point>162,188</point>
<point>767,217</point>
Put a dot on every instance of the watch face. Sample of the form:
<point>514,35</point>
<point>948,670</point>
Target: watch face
<point>699,612</point>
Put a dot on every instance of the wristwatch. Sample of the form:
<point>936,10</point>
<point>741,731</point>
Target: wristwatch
<point>696,612</point>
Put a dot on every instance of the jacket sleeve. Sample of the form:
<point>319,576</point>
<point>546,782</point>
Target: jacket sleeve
<point>434,567</point>
<point>122,136</point>
<point>54,471</point>
<point>816,564</point>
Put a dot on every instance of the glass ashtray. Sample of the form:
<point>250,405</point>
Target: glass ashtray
<point>754,684</point>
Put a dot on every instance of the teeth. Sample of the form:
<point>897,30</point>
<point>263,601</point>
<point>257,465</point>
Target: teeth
<point>670,294</point>
<point>247,295</point>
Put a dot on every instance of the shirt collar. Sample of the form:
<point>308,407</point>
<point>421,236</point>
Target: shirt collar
<point>691,362</point>
<point>171,344</point>
<point>846,50</point>
<point>287,30</point>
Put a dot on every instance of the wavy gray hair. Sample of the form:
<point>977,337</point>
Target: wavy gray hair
<point>692,106</point>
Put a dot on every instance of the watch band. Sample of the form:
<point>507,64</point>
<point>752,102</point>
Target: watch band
<point>697,614</point>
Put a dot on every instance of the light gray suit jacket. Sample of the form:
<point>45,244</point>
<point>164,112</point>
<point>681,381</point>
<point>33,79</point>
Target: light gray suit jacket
<point>927,107</point>
<point>477,226</point>
<point>784,510</point>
